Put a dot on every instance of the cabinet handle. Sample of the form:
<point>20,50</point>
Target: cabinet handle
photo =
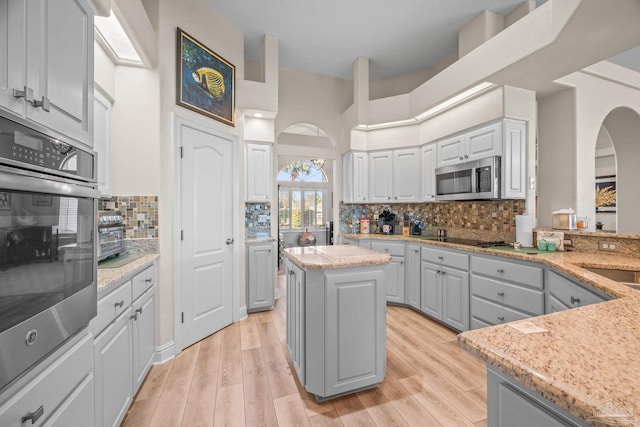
<point>500,270</point>
<point>149,280</point>
<point>34,416</point>
<point>386,249</point>
<point>396,197</point>
<point>461,158</point>
<point>43,103</point>
<point>466,156</point>
<point>26,93</point>
<point>401,262</point>
<point>119,304</point>
<point>416,251</point>
<point>500,294</point>
<point>134,316</point>
<point>575,300</point>
<point>139,310</point>
<point>501,318</point>
<point>388,197</point>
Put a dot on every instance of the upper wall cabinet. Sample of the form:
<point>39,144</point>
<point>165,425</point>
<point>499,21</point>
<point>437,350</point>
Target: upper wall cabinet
<point>46,65</point>
<point>514,164</point>
<point>259,177</point>
<point>473,145</point>
<point>381,177</point>
<point>355,177</point>
<point>427,169</point>
<point>406,175</point>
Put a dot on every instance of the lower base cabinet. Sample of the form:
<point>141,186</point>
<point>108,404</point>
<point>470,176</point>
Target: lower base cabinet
<point>336,331</point>
<point>60,393</point>
<point>511,404</point>
<point>261,271</point>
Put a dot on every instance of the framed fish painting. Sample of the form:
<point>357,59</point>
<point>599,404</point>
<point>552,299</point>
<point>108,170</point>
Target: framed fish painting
<point>205,80</point>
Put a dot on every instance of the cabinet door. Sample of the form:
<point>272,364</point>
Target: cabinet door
<point>450,151</point>
<point>102,139</point>
<point>395,280</point>
<point>261,277</point>
<point>406,175</point>
<point>428,172</point>
<point>259,165</point>
<point>296,324</point>
<point>484,142</point>
<point>455,298</point>
<point>12,54</point>
<point>143,336</point>
<point>412,276</point>
<point>113,371</point>
<point>360,175</point>
<point>568,292</point>
<point>60,66</point>
<point>380,177</point>
<point>431,290</point>
<point>514,164</point>
<point>78,409</point>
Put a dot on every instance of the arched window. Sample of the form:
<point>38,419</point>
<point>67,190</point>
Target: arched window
<point>303,187</point>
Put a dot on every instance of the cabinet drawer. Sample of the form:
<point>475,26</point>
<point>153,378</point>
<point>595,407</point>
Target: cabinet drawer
<point>504,270</point>
<point>518,297</point>
<point>570,293</point>
<point>49,389</point>
<point>394,249</point>
<point>110,307</point>
<point>448,258</point>
<point>143,281</point>
<point>492,313</point>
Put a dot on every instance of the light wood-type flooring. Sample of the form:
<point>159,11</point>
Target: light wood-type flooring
<point>241,376</point>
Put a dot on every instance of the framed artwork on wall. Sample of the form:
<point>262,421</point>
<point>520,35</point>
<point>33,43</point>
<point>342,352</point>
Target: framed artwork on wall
<point>205,82</point>
<point>606,193</point>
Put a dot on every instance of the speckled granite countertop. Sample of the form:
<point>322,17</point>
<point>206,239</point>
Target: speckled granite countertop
<point>110,278</point>
<point>588,361</point>
<point>337,256</point>
<point>256,240</point>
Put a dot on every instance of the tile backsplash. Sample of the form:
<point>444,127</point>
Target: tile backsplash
<point>257,219</point>
<point>495,219</point>
<point>140,214</point>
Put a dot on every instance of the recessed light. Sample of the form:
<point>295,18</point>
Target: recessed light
<point>258,115</point>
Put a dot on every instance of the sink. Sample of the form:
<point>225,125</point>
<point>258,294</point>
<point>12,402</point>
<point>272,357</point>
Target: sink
<point>630,278</point>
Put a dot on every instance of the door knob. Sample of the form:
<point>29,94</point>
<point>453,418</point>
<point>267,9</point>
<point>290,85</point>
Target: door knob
<point>230,241</point>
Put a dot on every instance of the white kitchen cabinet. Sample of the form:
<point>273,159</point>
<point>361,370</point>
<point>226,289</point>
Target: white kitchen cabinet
<point>504,290</point>
<point>394,284</point>
<point>406,175</point>
<point>124,344</point>
<point>355,165</point>
<point>380,177</point>
<point>514,160</point>
<point>509,403</point>
<point>476,144</point>
<point>259,172</point>
<point>261,263</point>
<point>444,289</point>
<point>102,139</point>
<point>59,392</point>
<point>563,293</point>
<point>428,159</point>
<point>412,275</point>
<point>46,79</point>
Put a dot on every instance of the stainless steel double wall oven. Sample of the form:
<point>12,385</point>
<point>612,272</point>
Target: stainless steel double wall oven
<point>48,202</point>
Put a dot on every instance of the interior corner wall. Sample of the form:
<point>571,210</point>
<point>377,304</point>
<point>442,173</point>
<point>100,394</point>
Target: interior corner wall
<point>202,22</point>
<point>104,74</point>
<point>556,154</point>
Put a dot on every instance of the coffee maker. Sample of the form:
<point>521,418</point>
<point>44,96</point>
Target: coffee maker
<point>386,221</point>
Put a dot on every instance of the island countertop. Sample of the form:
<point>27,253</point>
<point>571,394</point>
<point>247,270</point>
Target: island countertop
<point>335,256</point>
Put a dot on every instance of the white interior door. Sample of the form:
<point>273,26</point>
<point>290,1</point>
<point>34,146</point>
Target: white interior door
<point>206,212</point>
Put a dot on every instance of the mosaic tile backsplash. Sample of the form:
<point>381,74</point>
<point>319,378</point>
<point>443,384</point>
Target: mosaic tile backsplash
<point>140,214</point>
<point>485,220</point>
<point>257,220</point>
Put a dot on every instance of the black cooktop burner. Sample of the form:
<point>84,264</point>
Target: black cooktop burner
<point>471,242</point>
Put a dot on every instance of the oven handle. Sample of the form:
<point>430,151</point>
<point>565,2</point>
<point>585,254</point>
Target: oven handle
<point>44,184</point>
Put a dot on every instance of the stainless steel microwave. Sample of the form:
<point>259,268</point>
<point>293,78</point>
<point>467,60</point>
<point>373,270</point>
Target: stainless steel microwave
<point>476,180</point>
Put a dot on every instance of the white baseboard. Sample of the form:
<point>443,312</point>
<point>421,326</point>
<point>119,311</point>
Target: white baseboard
<point>164,353</point>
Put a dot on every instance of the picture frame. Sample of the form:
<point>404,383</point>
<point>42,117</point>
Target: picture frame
<point>42,200</point>
<point>606,193</point>
<point>205,81</point>
<point>5,201</point>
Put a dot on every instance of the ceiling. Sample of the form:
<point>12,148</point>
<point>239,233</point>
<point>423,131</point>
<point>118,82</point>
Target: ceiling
<point>325,37</point>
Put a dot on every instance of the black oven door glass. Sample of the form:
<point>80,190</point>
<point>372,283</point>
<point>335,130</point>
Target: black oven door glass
<point>454,182</point>
<point>46,252</point>
<point>484,179</point>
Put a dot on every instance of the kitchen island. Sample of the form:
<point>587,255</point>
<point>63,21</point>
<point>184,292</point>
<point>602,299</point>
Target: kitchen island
<point>336,318</point>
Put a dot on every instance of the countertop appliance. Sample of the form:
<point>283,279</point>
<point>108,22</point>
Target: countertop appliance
<point>416,228</point>
<point>479,179</point>
<point>386,221</point>
<point>48,206</point>
<point>111,234</point>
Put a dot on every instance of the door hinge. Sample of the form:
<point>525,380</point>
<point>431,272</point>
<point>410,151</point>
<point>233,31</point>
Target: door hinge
<point>182,316</point>
<point>181,152</point>
<point>181,234</point>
